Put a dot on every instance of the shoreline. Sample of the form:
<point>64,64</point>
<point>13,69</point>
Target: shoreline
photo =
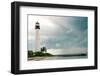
<point>38,58</point>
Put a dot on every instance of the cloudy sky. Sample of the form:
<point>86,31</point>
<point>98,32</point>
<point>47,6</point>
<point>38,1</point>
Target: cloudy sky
<point>59,32</point>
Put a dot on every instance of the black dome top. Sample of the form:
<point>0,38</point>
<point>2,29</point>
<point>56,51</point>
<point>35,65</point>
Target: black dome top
<point>37,22</point>
<point>37,25</point>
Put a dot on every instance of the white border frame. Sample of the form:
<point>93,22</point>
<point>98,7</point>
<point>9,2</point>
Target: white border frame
<point>26,65</point>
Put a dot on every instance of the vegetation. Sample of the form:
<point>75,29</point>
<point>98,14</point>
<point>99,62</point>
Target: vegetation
<point>34,54</point>
<point>43,52</point>
<point>43,49</point>
<point>30,53</point>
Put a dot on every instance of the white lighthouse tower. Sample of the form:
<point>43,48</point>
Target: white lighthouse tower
<point>37,37</point>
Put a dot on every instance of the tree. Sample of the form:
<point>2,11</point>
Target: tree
<point>43,49</point>
<point>30,53</point>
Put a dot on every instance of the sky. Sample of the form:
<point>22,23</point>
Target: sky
<point>59,32</point>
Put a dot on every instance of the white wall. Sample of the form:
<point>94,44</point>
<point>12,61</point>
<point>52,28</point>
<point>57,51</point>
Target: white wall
<point>5,41</point>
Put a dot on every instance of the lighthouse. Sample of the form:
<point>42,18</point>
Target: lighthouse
<point>37,36</point>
